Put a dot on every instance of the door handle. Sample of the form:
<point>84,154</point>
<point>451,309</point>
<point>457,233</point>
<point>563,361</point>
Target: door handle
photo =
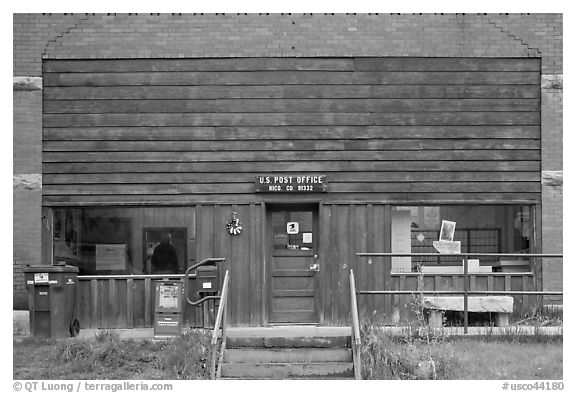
<point>315,267</point>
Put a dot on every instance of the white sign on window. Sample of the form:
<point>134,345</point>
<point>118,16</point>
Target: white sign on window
<point>110,256</point>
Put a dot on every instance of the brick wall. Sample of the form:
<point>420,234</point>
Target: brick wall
<point>552,195</point>
<point>540,31</point>
<point>240,35</point>
<point>27,195</point>
<point>209,35</point>
<point>32,34</point>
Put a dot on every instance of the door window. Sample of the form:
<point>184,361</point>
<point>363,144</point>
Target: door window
<point>293,230</point>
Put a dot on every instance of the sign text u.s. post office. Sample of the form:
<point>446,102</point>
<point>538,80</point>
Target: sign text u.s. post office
<point>291,184</point>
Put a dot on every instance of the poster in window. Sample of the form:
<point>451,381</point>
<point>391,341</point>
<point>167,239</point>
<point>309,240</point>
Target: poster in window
<point>110,256</point>
<point>447,231</point>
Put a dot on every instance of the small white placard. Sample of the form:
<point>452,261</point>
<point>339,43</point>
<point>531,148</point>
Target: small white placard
<point>40,278</point>
<point>446,247</point>
<point>292,228</point>
<point>307,237</point>
<point>206,285</point>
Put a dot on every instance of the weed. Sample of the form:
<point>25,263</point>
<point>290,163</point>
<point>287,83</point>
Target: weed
<point>105,335</point>
<point>541,315</point>
<point>107,356</point>
<point>186,357</point>
<point>408,356</point>
<point>73,350</point>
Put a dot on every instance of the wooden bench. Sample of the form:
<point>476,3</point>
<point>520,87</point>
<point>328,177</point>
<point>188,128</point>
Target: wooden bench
<point>502,305</point>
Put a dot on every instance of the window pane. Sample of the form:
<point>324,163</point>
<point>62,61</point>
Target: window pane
<point>479,229</point>
<point>124,240</point>
<point>292,230</point>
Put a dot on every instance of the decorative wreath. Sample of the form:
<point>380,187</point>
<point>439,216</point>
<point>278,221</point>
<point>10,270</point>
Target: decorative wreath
<point>234,225</point>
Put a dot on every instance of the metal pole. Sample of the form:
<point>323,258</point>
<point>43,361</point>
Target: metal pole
<point>465,294</point>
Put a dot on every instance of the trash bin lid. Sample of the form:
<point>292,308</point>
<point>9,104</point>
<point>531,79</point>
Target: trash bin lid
<point>50,269</point>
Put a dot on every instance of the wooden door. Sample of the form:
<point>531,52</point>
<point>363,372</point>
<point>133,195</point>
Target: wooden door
<point>293,273</point>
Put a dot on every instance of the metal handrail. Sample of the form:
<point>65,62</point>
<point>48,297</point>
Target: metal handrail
<point>466,291</point>
<point>221,319</point>
<point>470,254</point>
<point>187,277</point>
<point>129,276</point>
<point>356,341</point>
<point>408,292</point>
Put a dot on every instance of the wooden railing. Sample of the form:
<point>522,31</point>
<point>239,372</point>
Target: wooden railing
<point>356,341</point>
<point>220,324</point>
<point>119,301</point>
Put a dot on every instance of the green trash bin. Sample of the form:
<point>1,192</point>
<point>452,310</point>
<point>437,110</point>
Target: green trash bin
<point>53,300</point>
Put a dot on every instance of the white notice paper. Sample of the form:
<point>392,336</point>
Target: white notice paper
<point>110,256</point>
<point>306,237</point>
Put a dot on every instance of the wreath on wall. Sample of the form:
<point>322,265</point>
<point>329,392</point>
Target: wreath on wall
<point>234,225</point>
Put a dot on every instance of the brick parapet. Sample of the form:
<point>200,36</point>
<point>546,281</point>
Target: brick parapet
<point>256,35</point>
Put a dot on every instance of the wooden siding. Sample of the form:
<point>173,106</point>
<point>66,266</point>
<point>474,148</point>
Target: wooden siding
<point>243,253</point>
<point>345,229</point>
<point>185,131</point>
<point>109,302</point>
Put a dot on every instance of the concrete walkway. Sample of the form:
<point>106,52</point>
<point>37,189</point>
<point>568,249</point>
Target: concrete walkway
<point>277,331</point>
<point>21,329</point>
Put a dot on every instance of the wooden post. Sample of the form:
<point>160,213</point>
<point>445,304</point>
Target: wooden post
<point>465,294</point>
<point>130,303</point>
<point>148,301</point>
<point>94,322</point>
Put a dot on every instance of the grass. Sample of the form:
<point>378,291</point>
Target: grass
<point>418,355</point>
<point>414,354</point>
<point>109,357</point>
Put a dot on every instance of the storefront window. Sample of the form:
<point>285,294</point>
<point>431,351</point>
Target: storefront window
<point>479,229</point>
<point>124,240</point>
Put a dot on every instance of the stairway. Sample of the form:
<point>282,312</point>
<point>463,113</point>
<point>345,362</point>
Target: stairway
<point>288,354</point>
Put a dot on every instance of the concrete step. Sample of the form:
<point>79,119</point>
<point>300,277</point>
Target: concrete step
<point>287,355</point>
<point>289,342</point>
<point>336,370</point>
<point>262,378</point>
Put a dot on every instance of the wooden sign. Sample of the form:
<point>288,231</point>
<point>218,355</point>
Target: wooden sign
<point>291,184</point>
